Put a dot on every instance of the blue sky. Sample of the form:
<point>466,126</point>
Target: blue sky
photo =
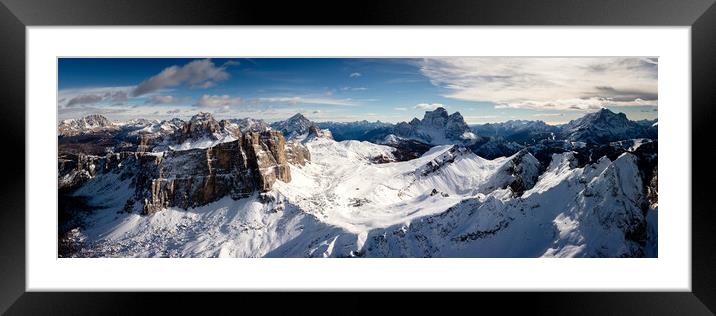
<point>349,89</point>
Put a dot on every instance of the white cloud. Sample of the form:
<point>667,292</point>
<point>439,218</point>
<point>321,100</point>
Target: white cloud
<point>164,99</point>
<point>231,63</point>
<point>305,100</point>
<point>401,109</point>
<point>117,96</point>
<point>213,101</point>
<point>84,99</point>
<point>548,114</point>
<point>355,75</point>
<point>429,106</point>
<point>196,74</point>
<point>354,88</point>
<point>547,83</point>
<point>478,119</point>
<point>91,96</point>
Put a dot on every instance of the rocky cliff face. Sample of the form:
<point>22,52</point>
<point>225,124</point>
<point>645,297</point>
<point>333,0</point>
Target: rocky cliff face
<point>190,178</point>
<point>297,153</point>
<point>267,158</point>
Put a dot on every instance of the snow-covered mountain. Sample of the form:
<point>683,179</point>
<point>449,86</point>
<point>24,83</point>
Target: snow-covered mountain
<point>242,189</point>
<point>250,125</point>
<point>294,126</point>
<point>95,134</point>
<point>201,131</point>
<point>447,203</point>
<point>299,128</point>
<point>603,126</point>
<point>87,124</point>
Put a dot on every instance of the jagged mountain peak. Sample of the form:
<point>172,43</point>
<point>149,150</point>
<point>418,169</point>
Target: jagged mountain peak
<point>298,117</point>
<point>294,126</point>
<point>86,124</point>
<point>436,117</point>
<point>202,116</point>
<point>605,114</point>
<point>603,126</point>
<point>92,120</point>
<point>438,127</point>
<point>96,120</point>
<point>439,111</point>
<point>456,116</point>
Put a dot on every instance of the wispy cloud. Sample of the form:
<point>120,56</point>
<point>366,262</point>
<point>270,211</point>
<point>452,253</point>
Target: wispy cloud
<point>548,114</point>
<point>84,99</point>
<point>221,101</point>
<point>400,109</point>
<point>547,83</point>
<point>428,106</point>
<point>305,100</point>
<point>355,75</point>
<point>354,88</point>
<point>165,99</point>
<point>472,119</point>
<point>92,96</point>
<point>196,74</point>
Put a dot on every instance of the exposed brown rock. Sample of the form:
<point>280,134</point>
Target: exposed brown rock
<point>199,126</point>
<point>652,189</point>
<point>297,153</point>
<point>267,157</point>
<point>195,177</point>
<point>315,131</point>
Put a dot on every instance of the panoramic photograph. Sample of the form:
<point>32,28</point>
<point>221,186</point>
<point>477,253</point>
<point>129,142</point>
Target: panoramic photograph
<point>421,157</point>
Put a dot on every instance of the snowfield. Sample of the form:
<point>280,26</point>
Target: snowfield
<point>447,203</point>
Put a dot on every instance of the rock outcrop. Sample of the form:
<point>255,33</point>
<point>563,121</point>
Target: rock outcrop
<point>316,132</point>
<point>194,177</point>
<point>524,169</point>
<point>297,153</point>
<point>201,125</point>
<point>200,176</point>
<point>267,157</point>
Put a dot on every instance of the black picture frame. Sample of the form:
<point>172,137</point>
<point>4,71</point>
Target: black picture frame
<point>15,15</point>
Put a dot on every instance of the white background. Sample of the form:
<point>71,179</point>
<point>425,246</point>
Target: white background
<point>671,271</point>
